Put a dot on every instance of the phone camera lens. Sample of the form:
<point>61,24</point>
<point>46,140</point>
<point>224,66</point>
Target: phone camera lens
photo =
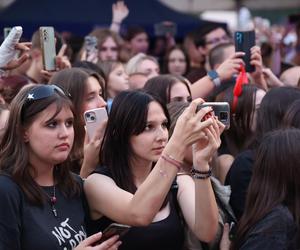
<point>223,116</point>
<point>93,118</point>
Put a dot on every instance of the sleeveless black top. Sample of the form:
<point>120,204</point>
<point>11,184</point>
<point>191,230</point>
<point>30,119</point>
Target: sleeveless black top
<point>167,234</point>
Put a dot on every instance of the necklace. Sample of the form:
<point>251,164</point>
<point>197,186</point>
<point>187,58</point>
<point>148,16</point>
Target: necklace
<point>52,201</point>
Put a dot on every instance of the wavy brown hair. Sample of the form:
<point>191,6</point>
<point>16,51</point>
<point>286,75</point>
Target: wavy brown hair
<point>14,159</point>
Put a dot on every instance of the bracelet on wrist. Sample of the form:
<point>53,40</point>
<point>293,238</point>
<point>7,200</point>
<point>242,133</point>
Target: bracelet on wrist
<point>196,174</point>
<point>118,23</point>
<point>172,161</point>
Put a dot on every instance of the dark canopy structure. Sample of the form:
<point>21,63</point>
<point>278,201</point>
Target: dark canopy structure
<point>81,16</point>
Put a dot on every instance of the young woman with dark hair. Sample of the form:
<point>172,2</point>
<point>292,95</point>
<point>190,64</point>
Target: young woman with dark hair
<point>269,117</point>
<point>169,88</point>
<point>41,201</point>
<point>272,211</point>
<point>86,88</point>
<point>176,61</point>
<point>139,165</point>
<point>243,116</point>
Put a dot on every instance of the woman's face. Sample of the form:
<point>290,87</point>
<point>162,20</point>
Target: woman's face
<point>149,68</point>
<point>258,98</point>
<point>139,43</point>
<point>148,145</point>
<point>93,95</point>
<point>108,51</point>
<point>179,92</point>
<point>117,81</point>
<point>59,134</point>
<point>177,62</point>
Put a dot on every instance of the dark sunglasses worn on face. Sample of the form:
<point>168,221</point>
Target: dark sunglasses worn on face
<point>39,93</point>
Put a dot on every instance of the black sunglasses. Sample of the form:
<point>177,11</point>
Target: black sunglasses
<point>41,92</point>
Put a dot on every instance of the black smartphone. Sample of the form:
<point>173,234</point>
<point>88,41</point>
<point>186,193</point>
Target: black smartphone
<point>47,39</point>
<point>220,109</point>
<point>244,41</point>
<point>164,28</point>
<point>113,229</point>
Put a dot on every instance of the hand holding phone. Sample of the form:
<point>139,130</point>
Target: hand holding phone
<point>91,48</point>
<point>47,40</point>
<point>244,41</point>
<point>114,229</point>
<point>7,48</point>
<point>93,118</point>
<point>220,109</point>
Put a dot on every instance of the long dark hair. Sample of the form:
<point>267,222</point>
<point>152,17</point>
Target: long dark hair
<point>239,133</point>
<point>272,110</point>
<point>292,116</point>
<point>275,180</point>
<point>14,159</point>
<point>128,116</point>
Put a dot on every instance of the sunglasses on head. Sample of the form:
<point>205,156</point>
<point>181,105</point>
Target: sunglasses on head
<point>41,92</point>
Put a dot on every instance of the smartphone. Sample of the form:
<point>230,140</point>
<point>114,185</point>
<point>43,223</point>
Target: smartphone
<point>164,28</point>
<point>47,39</point>
<point>91,45</point>
<point>6,31</point>
<point>244,41</point>
<point>221,110</point>
<point>93,118</point>
<point>114,229</point>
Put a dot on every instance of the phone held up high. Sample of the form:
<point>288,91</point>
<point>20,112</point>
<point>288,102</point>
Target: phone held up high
<point>244,41</point>
<point>93,118</point>
<point>220,109</point>
<point>113,229</point>
<point>47,39</point>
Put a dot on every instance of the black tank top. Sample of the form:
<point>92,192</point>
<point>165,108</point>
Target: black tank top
<point>166,234</point>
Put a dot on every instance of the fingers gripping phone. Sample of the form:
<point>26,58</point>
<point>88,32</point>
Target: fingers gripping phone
<point>93,118</point>
<point>47,39</point>
<point>91,45</point>
<point>244,41</point>
<point>114,229</point>
<point>220,109</point>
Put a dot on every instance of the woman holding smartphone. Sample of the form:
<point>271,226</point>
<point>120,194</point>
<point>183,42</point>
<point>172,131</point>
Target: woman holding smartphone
<point>139,166</point>
<point>41,201</point>
<point>86,88</point>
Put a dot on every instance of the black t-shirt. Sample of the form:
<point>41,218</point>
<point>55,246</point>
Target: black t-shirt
<point>25,226</point>
<point>238,177</point>
<point>166,234</point>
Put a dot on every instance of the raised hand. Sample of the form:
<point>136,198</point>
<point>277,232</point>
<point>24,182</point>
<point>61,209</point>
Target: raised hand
<point>119,12</point>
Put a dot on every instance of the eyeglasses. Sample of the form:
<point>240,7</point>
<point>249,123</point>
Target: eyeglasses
<point>41,92</point>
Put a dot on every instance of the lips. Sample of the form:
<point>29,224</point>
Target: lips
<point>63,146</point>
<point>158,149</point>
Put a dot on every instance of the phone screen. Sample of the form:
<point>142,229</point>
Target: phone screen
<point>244,41</point>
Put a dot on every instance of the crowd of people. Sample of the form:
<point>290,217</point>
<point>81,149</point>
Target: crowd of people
<point>159,164</point>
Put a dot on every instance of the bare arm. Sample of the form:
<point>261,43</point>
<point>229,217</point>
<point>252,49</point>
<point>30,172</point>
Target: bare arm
<point>204,86</point>
<point>106,198</point>
<point>119,13</point>
<point>196,197</point>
